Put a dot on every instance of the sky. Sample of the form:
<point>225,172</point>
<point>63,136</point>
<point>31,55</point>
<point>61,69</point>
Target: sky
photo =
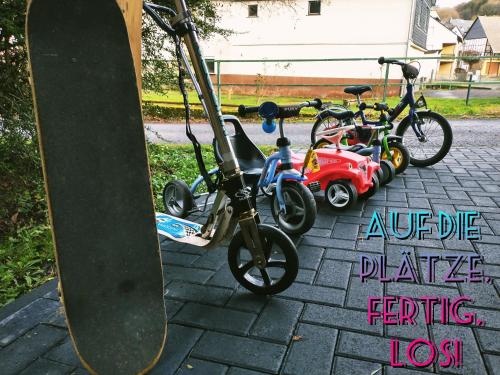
<point>449,3</point>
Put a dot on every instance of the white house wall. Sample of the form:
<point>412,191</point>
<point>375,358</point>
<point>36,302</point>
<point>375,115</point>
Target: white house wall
<point>345,28</point>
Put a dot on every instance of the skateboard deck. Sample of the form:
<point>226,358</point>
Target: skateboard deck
<point>97,181</point>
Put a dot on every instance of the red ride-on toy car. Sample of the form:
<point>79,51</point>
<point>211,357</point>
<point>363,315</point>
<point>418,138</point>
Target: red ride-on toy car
<point>342,175</point>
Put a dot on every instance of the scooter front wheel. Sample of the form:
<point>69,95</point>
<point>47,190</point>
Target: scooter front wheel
<point>281,256</point>
<point>300,206</point>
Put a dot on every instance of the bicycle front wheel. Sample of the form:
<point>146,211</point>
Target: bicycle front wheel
<point>435,144</point>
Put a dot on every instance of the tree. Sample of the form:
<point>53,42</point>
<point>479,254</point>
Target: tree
<point>447,13</point>
<point>490,9</point>
<point>21,184</point>
<point>158,65</point>
<point>470,10</point>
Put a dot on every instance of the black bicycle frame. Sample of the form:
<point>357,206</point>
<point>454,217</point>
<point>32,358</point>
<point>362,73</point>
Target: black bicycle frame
<point>407,100</point>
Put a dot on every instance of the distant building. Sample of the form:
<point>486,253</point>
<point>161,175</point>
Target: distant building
<point>449,44</point>
<point>319,29</point>
<point>483,39</point>
<point>461,25</point>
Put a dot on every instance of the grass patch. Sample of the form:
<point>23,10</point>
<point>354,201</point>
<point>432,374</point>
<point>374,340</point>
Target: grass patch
<point>26,261</point>
<point>452,108</point>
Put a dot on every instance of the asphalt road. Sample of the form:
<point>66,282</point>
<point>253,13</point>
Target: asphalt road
<point>462,93</point>
<point>465,133</point>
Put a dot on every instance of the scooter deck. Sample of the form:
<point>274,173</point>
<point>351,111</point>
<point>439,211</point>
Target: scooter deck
<point>98,185</point>
<point>176,229</point>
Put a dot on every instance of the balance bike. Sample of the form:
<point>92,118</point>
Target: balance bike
<point>292,204</point>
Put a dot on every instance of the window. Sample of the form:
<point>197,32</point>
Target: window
<point>314,7</point>
<point>253,10</point>
<point>210,65</point>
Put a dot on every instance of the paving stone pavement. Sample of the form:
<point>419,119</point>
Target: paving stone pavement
<point>319,325</point>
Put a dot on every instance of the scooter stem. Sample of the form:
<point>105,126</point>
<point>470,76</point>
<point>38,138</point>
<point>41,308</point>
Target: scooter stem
<point>230,163</point>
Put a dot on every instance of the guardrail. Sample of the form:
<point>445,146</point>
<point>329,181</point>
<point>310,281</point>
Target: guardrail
<point>470,84</point>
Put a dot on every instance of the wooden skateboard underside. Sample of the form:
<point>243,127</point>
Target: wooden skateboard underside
<point>97,179</point>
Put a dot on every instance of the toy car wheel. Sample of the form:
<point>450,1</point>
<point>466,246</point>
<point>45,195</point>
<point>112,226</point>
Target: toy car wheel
<point>341,194</point>
<point>388,172</point>
<point>400,156</point>
<point>380,175</point>
<point>300,208</point>
<point>268,190</point>
<point>177,199</point>
<point>282,262</point>
<point>373,190</point>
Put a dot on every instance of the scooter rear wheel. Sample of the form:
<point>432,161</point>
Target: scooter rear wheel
<point>300,208</point>
<point>281,256</point>
<point>177,199</point>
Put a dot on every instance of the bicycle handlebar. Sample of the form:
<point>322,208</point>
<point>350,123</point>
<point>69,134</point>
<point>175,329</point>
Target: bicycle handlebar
<point>382,60</point>
<point>270,110</point>
<point>409,71</point>
<point>244,110</point>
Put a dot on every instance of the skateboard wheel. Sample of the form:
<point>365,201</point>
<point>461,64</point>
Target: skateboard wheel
<point>282,262</point>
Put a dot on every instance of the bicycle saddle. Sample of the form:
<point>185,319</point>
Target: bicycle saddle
<point>357,90</point>
<point>341,115</point>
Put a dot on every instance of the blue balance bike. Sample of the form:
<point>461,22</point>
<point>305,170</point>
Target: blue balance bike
<point>292,203</point>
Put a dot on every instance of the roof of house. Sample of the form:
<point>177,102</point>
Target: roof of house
<point>462,25</point>
<point>491,27</point>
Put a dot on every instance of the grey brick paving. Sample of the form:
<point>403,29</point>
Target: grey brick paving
<point>319,325</point>
<point>313,352</point>
<point>240,351</point>
<point>284,314</point>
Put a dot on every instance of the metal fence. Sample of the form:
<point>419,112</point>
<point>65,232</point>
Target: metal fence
<point>461,80</point>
